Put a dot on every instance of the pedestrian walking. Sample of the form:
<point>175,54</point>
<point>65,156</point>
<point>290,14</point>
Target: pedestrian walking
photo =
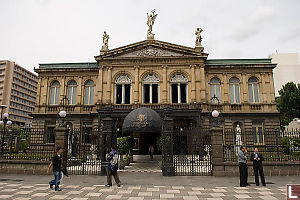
<point>257,159</point>
<point>242,159</point>
<point>56,168</point>
<point>112,167</point>
<point>151,152</point>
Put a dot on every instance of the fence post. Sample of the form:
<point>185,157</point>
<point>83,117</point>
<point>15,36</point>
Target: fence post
<point>61,140</point>
<point>217,151</point>
<point>277,145</point>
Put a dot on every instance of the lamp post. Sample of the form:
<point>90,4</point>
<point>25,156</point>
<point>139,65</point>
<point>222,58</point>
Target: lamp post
<point>4,121</point>
<point>62,114</point>
<point>215,113</point>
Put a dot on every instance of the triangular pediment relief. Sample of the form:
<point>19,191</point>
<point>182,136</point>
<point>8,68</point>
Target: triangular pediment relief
<point>150,52</point>
<point>150,48</point>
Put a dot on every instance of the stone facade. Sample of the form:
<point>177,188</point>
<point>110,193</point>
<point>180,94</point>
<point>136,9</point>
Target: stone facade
<point>178,77</point>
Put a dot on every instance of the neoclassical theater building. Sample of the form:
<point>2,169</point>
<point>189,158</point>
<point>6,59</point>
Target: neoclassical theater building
<point>158,75</point>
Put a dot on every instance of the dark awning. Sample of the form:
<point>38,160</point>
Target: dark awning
<point>142,120</point>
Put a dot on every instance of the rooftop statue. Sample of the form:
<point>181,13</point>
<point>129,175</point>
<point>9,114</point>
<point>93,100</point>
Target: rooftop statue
<point>150,23</point>
<point>105,41</point>
<point>198,37</point>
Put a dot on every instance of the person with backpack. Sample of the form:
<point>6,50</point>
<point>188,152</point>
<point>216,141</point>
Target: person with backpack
<point>112,167</point>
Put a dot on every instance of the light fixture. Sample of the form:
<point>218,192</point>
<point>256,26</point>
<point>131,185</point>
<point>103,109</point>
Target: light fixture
<point>298,121</point>
<point>5,115</point>
<point>1,122</point>
<point>62,114</point>
<point>215,113</point>
<point>9,122</point>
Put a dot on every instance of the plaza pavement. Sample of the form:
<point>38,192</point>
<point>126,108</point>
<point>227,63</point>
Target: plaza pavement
<point>142,185</point>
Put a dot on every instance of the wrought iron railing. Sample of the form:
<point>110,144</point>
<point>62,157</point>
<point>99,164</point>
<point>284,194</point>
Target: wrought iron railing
<point>275,145</point>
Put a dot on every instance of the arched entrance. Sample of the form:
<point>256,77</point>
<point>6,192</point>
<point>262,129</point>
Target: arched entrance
<point>145,125</point>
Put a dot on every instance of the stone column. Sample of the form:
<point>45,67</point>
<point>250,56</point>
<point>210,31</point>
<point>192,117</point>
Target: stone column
<point>244,92</point>
<point>108,100</point>
<point>217,151</point>
<point>179,93</point>
<point>150,91</point>
<point>164,86</point>
<point>105,141</point>
<point>61,140</point>
<point>100,85</point>
<point>136,84</point>
<point>202,84</point>
<point>167,144</point>
<point>225,90</point>
<point>193,96</point>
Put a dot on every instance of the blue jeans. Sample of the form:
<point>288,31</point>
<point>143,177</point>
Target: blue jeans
<point>56,181</point>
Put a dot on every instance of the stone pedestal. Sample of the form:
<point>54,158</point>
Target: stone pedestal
<point>106,141</point>
<point>61,140</point>
<point>217,151</point>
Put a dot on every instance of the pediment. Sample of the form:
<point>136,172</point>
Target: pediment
<point>151,48</point>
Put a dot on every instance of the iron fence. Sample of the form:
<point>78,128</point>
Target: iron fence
<point>275,145</point>
<point>25,144</point>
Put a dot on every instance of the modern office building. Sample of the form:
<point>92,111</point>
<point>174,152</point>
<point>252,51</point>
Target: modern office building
<point>18,89</point>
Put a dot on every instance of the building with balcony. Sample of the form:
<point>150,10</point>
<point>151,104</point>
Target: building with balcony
<point>18,90</point>
<point>161,76</point>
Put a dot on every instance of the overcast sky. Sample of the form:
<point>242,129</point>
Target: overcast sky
<point>50,31</point>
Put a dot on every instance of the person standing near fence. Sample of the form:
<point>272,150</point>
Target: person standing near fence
<point>257,159</point>
<point>112,167</point>
<point>56,163</point>
<point>242,159</point>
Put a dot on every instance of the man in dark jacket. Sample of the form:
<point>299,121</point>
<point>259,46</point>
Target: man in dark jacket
<point>257,159</point>
<point>56,163</point>
<point>242,159</point>
<point>112,167</point>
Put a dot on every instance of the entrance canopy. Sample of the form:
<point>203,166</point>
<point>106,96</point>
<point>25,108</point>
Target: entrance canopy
<point>142,120</point>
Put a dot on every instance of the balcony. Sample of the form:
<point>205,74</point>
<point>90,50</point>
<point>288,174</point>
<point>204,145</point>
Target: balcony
<point>255,107</point>
<point>236,107</point>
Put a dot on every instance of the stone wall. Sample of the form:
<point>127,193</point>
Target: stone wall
<point>270,168</point>
<point>23,167</point>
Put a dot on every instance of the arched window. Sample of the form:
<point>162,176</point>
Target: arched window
<point>123,90</point>
<point>253,90</point>
<point>150,89</point>
<point>179,88</point>
<point>234,90</point>
<point>71,92</point>
<point>89,92</point>
<point>54,93</point>
<point>215,90</point>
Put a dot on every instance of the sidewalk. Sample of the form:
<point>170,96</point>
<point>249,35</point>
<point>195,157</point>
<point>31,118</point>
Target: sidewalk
<point>138,186</point>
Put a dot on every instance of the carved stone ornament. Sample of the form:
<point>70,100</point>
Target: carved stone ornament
<point>123,79</point>
<point>151,52</point>
<point>151,78</point>
<point>179,78</point>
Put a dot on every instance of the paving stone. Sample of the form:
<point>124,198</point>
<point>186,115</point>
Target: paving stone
<point>153,189</point>
<point>74,192</point>
<point>40,194</point>
<point>5,196</point>
<point>93,194</point>
<point>243,196</point>
<point>148,194</point>
<point>59,197</point>
<point>166,196</point>
<point>114,197</point>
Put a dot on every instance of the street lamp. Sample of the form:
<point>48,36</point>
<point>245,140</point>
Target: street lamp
<point>298,121</point>
<point>62,114</point>
<point>4,121</point>
<point>215,114</point>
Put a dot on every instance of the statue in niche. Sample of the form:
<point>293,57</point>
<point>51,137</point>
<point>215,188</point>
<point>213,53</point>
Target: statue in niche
<point>105,41</point>
<point>150,23</point>
<point>198,37</point>
<point>238,138</point>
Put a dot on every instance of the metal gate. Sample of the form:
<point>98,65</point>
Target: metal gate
<point>187,152</point>
<point>83,151</point>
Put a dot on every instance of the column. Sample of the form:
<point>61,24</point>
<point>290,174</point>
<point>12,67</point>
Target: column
<point>123,94</point>
<point>38,94</point>
<point>217,151</point>
<point>79,91</point>
<point>150,89</point>
<point>62,89</point>
<point>100,85</point>
<point>202,84</point>
<point>164,86</point>
<point>193,96</point>
<point>136,84</point>
<point>244,92</point>
<point>225,90</point>
<point>108,100</point>
<point>272,89</point>
<point>179,93</point>
<point>61,140</point>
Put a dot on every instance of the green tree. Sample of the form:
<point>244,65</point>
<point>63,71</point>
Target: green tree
<point>288,104</point>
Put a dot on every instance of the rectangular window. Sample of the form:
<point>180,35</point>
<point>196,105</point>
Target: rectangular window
<point>155,93</point>
<point>127,94</point>
<point>119,94</point>
<point>174,93</point>
<point>183,93</point>
<point>146,93</point>
<point>258,133</point>
<point>50,138</point>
